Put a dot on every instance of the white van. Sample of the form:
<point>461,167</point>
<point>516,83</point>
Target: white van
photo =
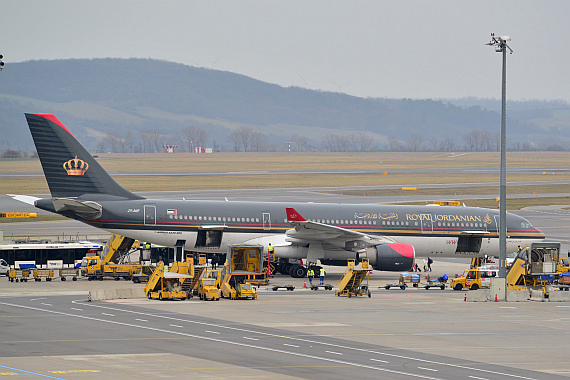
<point>3,267</point>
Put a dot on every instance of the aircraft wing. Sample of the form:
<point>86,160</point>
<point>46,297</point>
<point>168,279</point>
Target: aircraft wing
<point>313,232</point>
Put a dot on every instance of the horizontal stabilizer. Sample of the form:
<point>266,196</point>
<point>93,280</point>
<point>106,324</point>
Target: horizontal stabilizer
<point>24,198</point>
<point>88,209</point>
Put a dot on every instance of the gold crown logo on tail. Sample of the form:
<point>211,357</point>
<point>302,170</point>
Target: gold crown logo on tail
<point>75,166</point>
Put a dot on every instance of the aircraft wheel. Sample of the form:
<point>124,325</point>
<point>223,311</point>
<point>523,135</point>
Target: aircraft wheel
<point>298,271</point>
<point>285,268</point>
<point>458,287</point>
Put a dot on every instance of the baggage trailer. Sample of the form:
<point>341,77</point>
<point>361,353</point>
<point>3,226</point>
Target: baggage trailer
<point>403,281</point>
<point>68,272</point>
<point>43,273</point>
<point>440,282</point>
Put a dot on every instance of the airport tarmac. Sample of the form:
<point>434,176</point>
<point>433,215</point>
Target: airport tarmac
<point>49,329</point>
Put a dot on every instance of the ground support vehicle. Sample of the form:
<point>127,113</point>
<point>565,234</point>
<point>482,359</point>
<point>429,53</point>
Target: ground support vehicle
<point>208,290</point>
<point>563,265</point>
<point>437,283</point>
<point>352,283</point>
<point>143,276</point>
<point>241,261</point>
<point>112,262</point>
<point>287,287</point>
<point>67,272</point>
<point>166,285</point>
<point>19,275</point>
<point>38,274</point>
<point>325,286</point>
<point>4,267</point>
<point>537,266</point>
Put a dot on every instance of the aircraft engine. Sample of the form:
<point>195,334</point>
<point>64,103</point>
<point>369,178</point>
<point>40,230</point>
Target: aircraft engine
<point>395,257</point>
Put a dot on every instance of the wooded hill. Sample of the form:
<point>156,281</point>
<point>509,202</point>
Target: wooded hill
<point>102,99</point>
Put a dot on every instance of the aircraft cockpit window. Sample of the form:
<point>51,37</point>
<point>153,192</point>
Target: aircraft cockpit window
<point>526,225</point>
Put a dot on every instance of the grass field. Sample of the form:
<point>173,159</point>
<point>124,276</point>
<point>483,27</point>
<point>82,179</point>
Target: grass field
<point>382,161</point>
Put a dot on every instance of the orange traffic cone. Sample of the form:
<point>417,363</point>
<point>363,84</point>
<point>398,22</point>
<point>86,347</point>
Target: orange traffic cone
<point>89,297</point>
<point>496,300</point>
<point>305,284</point>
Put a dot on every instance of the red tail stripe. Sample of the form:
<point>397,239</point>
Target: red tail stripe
<point>53,119</point>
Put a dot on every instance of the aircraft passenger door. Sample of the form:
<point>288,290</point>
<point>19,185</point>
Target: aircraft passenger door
<point>266,221</point>
<point>497,222</point>
<point>427,223</point>
<point>150,215</point>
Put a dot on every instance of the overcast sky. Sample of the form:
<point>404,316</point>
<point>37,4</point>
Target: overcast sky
<point>394,49</point>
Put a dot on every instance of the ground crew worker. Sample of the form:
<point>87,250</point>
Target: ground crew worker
<point>322,275</point>
<point>270,250</point>
<point>311,274</point>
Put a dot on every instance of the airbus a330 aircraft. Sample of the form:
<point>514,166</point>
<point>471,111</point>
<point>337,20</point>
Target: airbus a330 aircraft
<point>389,236</point>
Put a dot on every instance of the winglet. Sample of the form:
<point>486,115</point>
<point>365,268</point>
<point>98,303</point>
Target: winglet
<point>293,215</point>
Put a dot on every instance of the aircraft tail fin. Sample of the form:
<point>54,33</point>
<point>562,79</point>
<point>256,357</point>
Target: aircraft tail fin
<point>69,169</point>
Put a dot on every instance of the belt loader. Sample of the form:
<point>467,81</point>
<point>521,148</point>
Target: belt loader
<point>112,262</point>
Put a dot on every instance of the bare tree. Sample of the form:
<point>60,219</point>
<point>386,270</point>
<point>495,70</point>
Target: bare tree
<point>191,137</point>
<point>433,143</point>
<point>242,137</point>
<point>146,143</point>
<point>447,145</point>
<point>258,142</point>
<point>394,144</point>
<point>300,144</point>
<point>415,143</point>
<point>335,143</point>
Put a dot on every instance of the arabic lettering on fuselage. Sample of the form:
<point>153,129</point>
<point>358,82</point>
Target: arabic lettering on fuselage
<point>364,215</point>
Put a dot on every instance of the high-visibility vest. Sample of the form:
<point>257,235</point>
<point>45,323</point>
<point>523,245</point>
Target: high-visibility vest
<point>270,248</point>
<point>310,273</point>
<point>322,272</point>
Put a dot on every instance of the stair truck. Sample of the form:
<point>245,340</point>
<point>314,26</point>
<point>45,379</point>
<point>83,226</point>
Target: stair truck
<point>164,285</point>
<point>241,261</point>
<point>352,281</point>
